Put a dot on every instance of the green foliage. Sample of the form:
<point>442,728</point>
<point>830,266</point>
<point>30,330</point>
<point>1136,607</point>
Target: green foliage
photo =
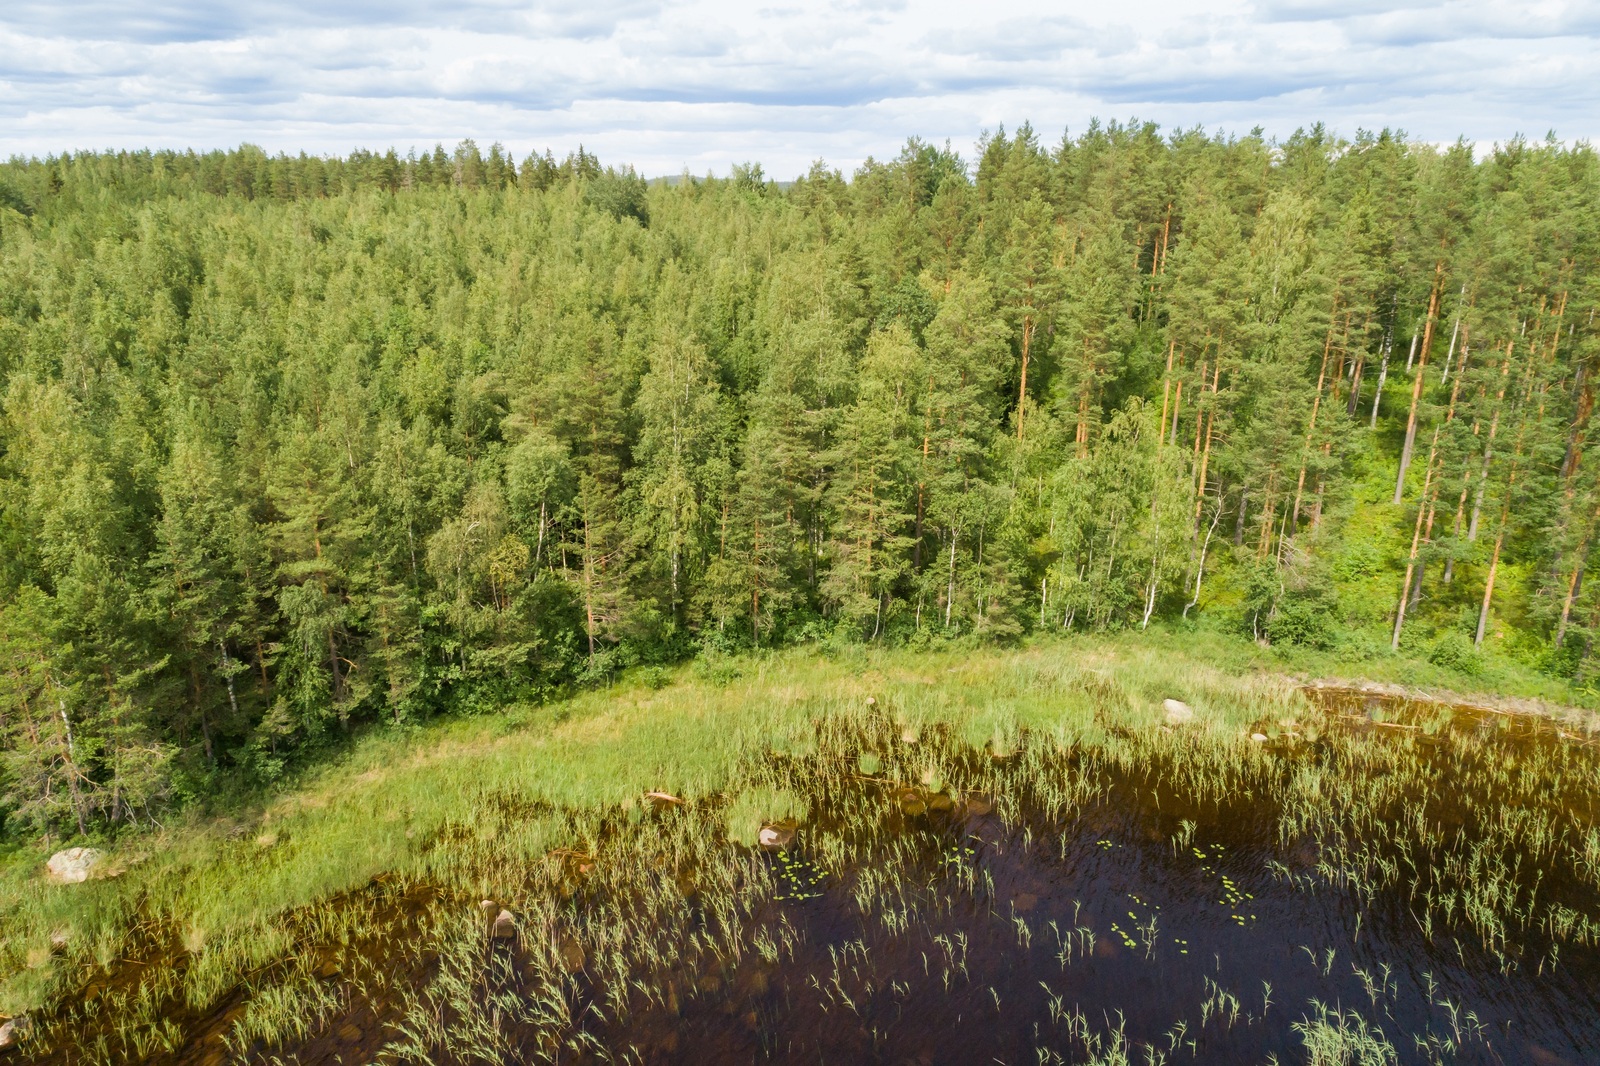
<point>296,446</point>
<point>1454,651</point>
<point>620,194</point>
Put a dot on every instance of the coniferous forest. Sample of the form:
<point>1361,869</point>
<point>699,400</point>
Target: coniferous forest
<point>291,445</point>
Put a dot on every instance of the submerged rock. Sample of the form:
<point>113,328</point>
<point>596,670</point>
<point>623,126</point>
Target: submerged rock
<point>1178,712</point>
<point>777,835</point>
<point>74,865</point>
<point>979,804</point>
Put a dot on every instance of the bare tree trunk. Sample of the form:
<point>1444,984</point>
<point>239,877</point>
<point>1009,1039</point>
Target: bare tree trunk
<point>1500,532</point>
<point>1311,425</point>
<point>1200,571</point>
<point>1488,587</point>
<point>1454,331</point>
<point>950,596</point>
<point>1416,541</point>
<point>1488,447</point>
<point>1574,584</point>
<point>1383,373</point>
<point>1177,408</point>
<point>1022,390</point>
<point>1166,387</point>
<point>1417,380</point>
<point>1355,384</point>
<point>1205,456</point>
<point>922,478</point>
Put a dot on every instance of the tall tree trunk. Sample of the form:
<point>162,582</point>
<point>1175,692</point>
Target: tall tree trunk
<point>1205,456</point>
<point>1488,586</point>
<point>1200,571</point>
<point>1455,330</point>
<point>1488,446</point>
<point>950,594</point>
<point>1574,584</point>
<point>1166,390</point>
<point>1416,542</point>
<point>1417,380</point>
<point>1177,409</point>
<point>922,480</point>
<point>1580,424</point>
<point>1311,426</point>
<point>1022,390</point>
<point>1355,384</point>
<point>1433,496</point>
<point>1383,373</point>
<point>1500,532</point>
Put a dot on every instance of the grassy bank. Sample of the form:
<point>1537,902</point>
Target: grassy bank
<point>468,806</point>
<point>381,808</point>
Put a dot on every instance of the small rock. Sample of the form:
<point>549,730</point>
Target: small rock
<point>505,925</point>
<point>14,1032</point>
<point>59,939</point>
<point>663,799</point>
<point>1178,712</point>
<point>74,865</point>
<point>488,907</point>
<point>1259,738</point>
<point>872,701</point>
<point>775,836</point>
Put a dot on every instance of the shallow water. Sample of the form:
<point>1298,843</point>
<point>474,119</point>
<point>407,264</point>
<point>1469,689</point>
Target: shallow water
<point>1170,930</point>
<point>1152,919</point>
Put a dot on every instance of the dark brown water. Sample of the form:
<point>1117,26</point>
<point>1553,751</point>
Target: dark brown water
<point>1171,930</point>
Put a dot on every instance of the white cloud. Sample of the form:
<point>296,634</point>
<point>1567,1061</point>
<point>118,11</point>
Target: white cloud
<point>709,82</point>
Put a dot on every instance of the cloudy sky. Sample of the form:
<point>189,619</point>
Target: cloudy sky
<point>706,83</point>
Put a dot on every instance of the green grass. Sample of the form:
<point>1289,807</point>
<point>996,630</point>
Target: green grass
<point>379,809</point>
<point>471,806</point>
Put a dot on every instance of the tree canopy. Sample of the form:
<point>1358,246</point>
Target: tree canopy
<point>293,444</point>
